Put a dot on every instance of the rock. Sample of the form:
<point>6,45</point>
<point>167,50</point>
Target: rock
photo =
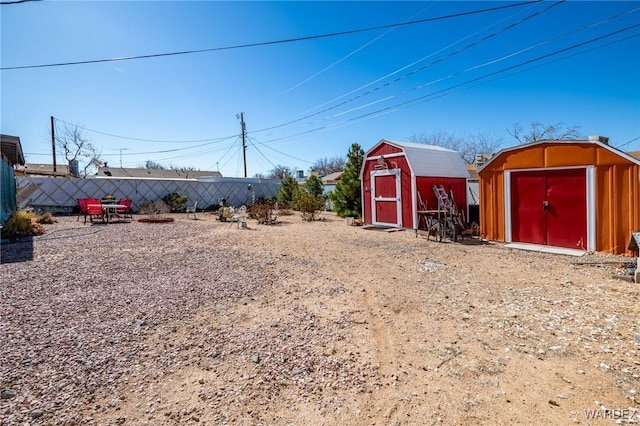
<point>7,394</point>
<point>36,414</point>
<point>255,358</point>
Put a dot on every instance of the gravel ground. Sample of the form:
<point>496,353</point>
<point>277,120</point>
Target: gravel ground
<point>200,322</point>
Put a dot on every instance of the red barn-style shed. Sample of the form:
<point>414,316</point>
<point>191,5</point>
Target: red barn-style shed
<point>394,173</point>
<point>580,194</point>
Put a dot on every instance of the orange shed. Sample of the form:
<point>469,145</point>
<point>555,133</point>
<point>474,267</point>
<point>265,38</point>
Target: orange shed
<point>575,194</point>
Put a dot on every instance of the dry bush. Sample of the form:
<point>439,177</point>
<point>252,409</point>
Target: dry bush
<point>22,224</point>
<point>46,218</point>
<point>265,212</point>
<point>154,209</point>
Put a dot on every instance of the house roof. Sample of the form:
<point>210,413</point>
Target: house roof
<point>331,177</point>
<point>634,154</point>
<point>118,172</point>
<point>431,160</point>
<point>43,169</point>
<point>473,171</point>
<point>605,145</point>
<point>11,148</point>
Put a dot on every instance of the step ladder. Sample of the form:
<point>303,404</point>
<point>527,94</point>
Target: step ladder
<point>452,219</point>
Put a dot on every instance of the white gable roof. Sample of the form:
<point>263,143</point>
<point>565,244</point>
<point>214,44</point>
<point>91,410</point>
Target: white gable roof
<point>431,160</point>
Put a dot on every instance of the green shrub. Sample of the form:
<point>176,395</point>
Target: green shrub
<point>175,201</point>
<point>308,204</point>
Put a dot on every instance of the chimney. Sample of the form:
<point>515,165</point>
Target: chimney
<point>602,139</point>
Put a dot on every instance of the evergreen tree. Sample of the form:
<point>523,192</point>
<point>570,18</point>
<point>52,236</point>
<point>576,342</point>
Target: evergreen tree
<point>287,192</point>
<point>346,198</point>
<point>313,185</point>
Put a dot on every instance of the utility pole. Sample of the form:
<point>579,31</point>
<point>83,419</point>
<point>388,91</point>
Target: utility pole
<point>53,143</point>
<point>244,142</point>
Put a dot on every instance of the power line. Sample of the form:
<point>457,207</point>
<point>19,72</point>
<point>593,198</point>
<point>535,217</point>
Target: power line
<point>556,60</point>
<point>445,91</point>
<point>421,99</point>
<point>5,3</point>
<point>424,98</point>
<point>441,59</point>
<point>417,70</point>
<point>217,139</point>
<point>274,42</point>
<point>260,152</point>
<point>628,142</point>
<point>405,67</point>
<point>279,152</point>
<point>350,54</point>
<point>432,95</point>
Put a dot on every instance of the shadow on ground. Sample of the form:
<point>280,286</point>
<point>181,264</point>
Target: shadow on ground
<point>16,251</point>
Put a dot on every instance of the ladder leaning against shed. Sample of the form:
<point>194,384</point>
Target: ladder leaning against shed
<point>448,214</point>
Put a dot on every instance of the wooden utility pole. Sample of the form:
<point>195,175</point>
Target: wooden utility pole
<point>244,142</point>
<point>53,142</point>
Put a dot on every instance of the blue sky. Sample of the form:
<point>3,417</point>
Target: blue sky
<point>571,62</point>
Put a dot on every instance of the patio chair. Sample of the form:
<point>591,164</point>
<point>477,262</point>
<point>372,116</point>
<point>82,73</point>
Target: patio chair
<point>94,210</point>
<point>82,204</point>
<point>192,210</point>
<point>124,212</point>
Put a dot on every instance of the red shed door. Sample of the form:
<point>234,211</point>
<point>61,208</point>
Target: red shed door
<point>550,208</point>
<point>385,197</point>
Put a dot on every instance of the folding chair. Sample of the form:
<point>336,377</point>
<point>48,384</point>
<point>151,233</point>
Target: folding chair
<point>192,210</point>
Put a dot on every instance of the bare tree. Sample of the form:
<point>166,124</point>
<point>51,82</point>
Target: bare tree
<point>325,166</point>
<point>150,164</point>
<point>76,146</point>
<point>468,147</point>
<point>184,169</point>
<point>539,131</point>
<point>281,172</point>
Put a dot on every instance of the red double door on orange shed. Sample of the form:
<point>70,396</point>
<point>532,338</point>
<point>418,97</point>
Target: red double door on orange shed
<point>549,207</point>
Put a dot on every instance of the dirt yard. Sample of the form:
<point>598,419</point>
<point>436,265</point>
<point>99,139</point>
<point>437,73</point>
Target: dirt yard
<point>199,322</point>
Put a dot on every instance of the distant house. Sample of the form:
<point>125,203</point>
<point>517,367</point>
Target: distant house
<point>33,169</point>
<point>329,183</point>
<point>119,172</point>
<point>12,155</point>
<point>331,178</point>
